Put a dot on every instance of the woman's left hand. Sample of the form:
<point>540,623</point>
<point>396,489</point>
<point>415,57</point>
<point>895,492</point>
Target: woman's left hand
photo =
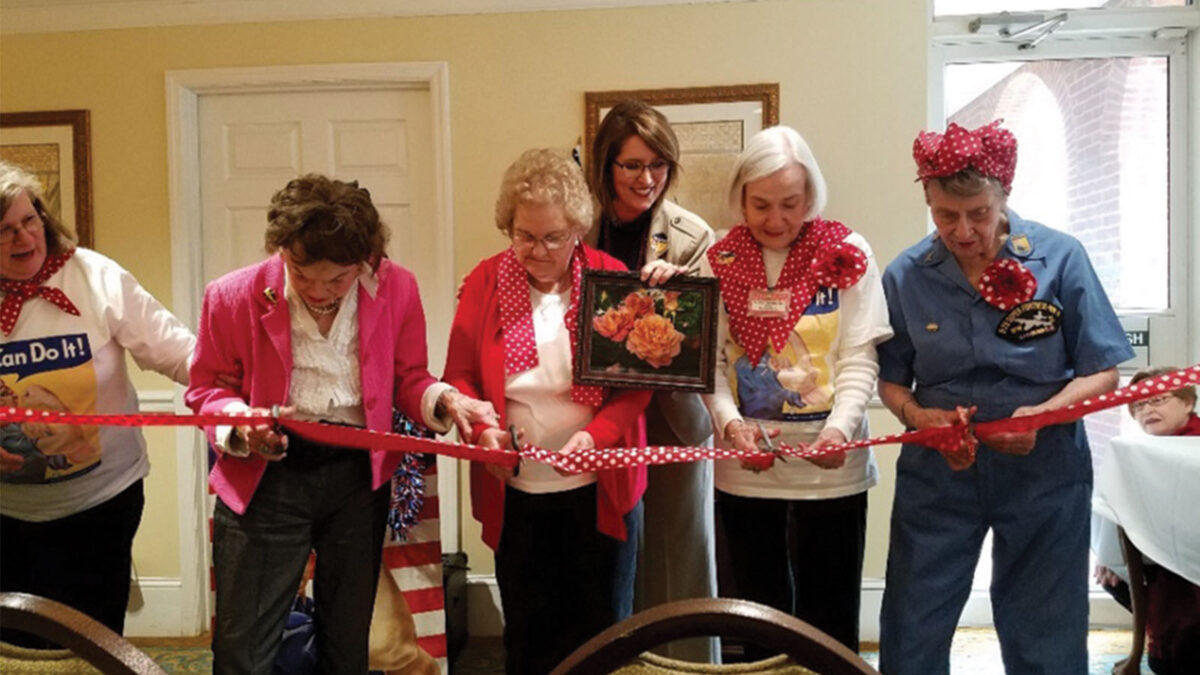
<point>1014,443</point>
<point>467,412</point>
<point>580,440</point>
<point>658,272</point>
<point>828,436</point>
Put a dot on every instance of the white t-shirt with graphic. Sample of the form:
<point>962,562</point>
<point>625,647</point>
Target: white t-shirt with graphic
<point>55,361</point>
<point>822,378</point>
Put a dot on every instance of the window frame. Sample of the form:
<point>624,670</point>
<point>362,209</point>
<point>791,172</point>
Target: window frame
<point>1169,32</point>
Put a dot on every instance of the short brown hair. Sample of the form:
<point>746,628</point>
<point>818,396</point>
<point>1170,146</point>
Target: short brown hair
<point>318,218</point>
<point>14,181</point>
<point>968,183</point>
<point>543,176</point>
<point>629,118</point>
<point>1187,394</point>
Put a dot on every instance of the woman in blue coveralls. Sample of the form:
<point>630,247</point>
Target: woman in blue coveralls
<point>969,341</point>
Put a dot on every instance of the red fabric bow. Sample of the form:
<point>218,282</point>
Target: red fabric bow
<point>16,292</point>
<point>1007,283</point>
<point>990,149</point>
<point>839,266</point>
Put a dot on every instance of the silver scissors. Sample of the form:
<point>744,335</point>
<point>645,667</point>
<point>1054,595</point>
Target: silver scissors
<point>765,439</point>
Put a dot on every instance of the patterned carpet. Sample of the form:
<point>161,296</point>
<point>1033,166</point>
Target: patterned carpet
<point>976,652</point>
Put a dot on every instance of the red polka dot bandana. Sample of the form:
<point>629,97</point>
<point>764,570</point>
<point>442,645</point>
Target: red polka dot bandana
<point>1007,283</point>
<point>990,149</point>
<point>17,292</point>
<point>516,321</point>
<point>839,266</point>
<point>737,261</point>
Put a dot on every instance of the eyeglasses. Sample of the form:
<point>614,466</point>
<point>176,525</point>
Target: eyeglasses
<point>634,168</point>
<point>1155,402</point>
<point>553,241</point>
<point>32,224</point>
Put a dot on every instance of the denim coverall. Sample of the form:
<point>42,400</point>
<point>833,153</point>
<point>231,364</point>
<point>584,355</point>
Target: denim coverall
<point>1037,506</point>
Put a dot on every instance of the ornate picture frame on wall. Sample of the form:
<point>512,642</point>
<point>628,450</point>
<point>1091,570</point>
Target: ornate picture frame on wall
<point>55,145</point>
<point>631,335</point>
<point>713,125</point>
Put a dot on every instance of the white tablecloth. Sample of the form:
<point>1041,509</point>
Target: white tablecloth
<point>1150,485</point>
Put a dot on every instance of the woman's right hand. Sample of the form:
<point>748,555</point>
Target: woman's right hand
<point>493,438</point>
<point>659,272</point>
<point>746,438</point>
<point>924,418</point>
<point>263,439</point>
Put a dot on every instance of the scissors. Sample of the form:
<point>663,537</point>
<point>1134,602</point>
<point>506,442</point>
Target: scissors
<point>515,446</point>
<point>765,439</point>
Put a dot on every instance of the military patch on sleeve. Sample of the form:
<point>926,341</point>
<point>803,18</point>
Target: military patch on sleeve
<point>1029,320</point>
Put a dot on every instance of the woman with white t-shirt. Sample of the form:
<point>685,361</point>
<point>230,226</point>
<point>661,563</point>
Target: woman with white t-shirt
<point>802,310</point>
<point>72,496</point>
<point>566,545</point>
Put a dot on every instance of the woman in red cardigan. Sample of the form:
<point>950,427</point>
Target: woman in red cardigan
<point>566,545</point>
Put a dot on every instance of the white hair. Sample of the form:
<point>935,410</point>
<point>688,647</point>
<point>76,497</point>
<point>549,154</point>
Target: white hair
<point>769,151</point>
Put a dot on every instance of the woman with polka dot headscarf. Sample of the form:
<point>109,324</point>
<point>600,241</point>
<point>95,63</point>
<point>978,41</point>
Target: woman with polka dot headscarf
<point>802,310</point>
<point>995,316</point>
<point>565,545</point>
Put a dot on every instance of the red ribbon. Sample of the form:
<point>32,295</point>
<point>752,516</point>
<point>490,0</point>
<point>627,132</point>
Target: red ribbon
<point>956,438</point>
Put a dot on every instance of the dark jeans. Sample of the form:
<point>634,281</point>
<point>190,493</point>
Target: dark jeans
<point>802,557</point>
<point>317,498</point>
<point>82,560</point>
<point>561,581</point>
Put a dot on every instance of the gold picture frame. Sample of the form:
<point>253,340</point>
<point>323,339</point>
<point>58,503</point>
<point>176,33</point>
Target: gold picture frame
<point>713,125</point>
<point>55,145</point>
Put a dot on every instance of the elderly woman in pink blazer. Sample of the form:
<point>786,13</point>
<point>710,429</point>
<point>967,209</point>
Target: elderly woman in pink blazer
<point>330,330</point>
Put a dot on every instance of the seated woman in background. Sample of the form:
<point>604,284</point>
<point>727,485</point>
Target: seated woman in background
<point>1173,607</point>
<point>566,545</point>
<point>334,330</point>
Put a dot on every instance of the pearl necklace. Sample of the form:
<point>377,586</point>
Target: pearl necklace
<point>323,309</point>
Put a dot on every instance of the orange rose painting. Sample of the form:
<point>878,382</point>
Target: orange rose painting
<point>654,340</point>
<point>648,336</point>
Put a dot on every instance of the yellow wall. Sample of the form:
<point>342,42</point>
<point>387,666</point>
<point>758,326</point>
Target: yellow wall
<point>852,78</point>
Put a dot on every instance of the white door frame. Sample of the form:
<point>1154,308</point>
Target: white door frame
<point>184,89</point>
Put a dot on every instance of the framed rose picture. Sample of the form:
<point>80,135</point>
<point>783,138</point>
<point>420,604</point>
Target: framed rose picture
<point>632,335</point>
<point>55,146</point>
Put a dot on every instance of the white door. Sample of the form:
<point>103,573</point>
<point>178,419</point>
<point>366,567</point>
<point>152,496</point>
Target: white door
<point>252,144</point>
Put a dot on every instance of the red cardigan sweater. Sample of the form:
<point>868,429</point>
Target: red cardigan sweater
<point>475,365</point>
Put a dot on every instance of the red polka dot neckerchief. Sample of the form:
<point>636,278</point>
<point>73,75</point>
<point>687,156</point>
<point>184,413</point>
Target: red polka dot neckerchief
<point>737,261</point>
<point>990,149</point>
<point>516,321</point>
<point>16,292</point>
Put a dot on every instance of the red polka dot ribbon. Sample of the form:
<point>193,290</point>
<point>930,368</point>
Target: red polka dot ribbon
<point>991,150</point>
<point>17,292</point>
<point>516,321</point>
<point>737,261</point>
<point>1007,283</point>
<point>958,439</point>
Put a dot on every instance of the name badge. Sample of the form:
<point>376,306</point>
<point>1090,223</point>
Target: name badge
<point>767,304</point>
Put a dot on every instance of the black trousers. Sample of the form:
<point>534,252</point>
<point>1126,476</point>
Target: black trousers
<point>318,498</point>
<point>561,582</point>
<point>82,560</point>
<point>802,557</point>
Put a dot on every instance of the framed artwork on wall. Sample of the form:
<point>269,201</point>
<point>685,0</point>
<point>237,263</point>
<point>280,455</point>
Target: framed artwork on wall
<point>631,335</point>
<point>712,124</point>
<point>55,146</point>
